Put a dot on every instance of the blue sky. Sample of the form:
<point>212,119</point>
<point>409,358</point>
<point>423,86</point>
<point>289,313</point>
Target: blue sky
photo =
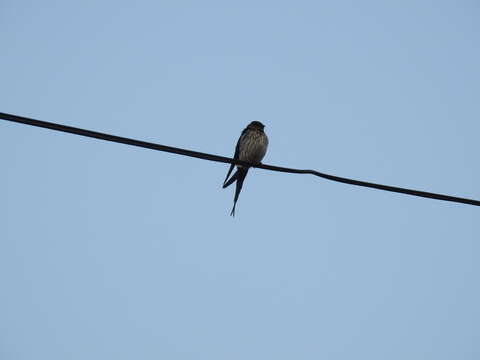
<point>111,251</point>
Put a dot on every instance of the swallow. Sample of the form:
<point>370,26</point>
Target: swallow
<point>251,146</point>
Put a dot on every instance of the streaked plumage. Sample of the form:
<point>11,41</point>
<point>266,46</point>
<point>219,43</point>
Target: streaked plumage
<point>251,146</point>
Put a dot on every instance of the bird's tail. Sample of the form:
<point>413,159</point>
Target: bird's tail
<point>240,177</point>
<point>231,180</point>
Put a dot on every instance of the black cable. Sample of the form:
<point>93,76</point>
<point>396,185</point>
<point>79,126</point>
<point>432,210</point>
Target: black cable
<point>223,159</point>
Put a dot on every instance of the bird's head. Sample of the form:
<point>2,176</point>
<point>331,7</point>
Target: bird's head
<point>256,125</point>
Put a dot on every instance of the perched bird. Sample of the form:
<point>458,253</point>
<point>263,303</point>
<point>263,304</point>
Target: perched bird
<point>251,146</point>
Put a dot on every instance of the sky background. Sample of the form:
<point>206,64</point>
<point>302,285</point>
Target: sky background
<point>109,251</point>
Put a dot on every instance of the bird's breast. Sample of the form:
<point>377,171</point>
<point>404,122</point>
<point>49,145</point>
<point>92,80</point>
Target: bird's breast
<point>253,147</point>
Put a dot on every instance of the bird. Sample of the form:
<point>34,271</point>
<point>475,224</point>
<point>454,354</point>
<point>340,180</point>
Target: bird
<point>252,147</point>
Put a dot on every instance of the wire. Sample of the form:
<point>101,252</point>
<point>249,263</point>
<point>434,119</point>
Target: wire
<point>223,159</point>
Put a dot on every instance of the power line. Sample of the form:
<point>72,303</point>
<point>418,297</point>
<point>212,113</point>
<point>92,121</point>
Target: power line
<point>223,159</point>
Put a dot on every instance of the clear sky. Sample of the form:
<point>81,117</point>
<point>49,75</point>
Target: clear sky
<point>113,252</point>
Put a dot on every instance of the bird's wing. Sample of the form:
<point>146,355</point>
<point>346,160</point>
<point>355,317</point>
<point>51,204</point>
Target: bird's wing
<point>234,156</point>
